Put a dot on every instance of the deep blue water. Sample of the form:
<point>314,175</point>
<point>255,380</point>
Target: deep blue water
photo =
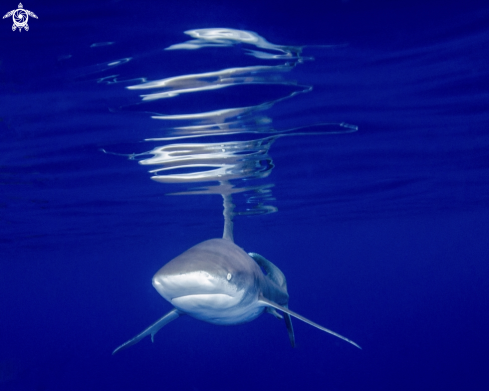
<point>381,232</point>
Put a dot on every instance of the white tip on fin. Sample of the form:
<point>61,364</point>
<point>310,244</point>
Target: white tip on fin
<point>151,330</point>
<point>269,303</point>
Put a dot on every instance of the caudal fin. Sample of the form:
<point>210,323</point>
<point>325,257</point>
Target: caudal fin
<point>290,329</point>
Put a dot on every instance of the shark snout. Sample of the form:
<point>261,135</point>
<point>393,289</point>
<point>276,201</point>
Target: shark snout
<point>173,286</point>
<point>197,293</point>
<point>215,281</point>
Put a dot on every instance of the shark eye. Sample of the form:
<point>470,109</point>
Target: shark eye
<point>229,276</point>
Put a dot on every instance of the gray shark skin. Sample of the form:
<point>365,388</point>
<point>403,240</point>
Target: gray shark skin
<point>217,282</point>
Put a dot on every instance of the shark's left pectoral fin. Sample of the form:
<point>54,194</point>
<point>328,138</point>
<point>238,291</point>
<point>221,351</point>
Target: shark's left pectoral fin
<point>269,303</point>
<point>151,330</point>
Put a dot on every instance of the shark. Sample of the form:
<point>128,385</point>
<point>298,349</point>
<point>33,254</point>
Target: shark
<point>216,281</point>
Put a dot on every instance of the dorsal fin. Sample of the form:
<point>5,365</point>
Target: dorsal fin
<point>295,315</point>
<point>228,212</point>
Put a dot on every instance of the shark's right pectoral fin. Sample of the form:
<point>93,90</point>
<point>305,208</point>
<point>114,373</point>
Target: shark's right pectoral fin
<point>151,330</point>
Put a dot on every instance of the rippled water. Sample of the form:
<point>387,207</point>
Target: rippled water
<point>350,147</point>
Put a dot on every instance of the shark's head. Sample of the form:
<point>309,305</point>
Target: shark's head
<point>213,281</point>
<point>216,281</point>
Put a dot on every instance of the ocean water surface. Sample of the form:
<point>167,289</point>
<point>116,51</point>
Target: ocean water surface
<point>347,141</point>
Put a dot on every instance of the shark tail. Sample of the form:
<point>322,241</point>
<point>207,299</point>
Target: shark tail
<point>290,329</point>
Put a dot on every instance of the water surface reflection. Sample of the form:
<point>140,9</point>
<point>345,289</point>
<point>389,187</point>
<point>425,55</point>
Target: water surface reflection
<point>229,166</point>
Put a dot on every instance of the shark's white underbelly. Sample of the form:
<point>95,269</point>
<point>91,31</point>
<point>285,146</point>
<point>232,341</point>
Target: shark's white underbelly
<point>218,308</point>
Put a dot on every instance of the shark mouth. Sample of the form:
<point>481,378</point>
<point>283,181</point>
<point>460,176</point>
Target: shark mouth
<point>216,301</point>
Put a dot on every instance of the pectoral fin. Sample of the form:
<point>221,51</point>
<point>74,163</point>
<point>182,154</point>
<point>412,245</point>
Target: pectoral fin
<point>151,330</point>
<point>288,323</point>
<point>295,315</point>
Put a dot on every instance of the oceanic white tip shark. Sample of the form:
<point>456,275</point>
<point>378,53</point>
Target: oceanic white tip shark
<point>217,282</point>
